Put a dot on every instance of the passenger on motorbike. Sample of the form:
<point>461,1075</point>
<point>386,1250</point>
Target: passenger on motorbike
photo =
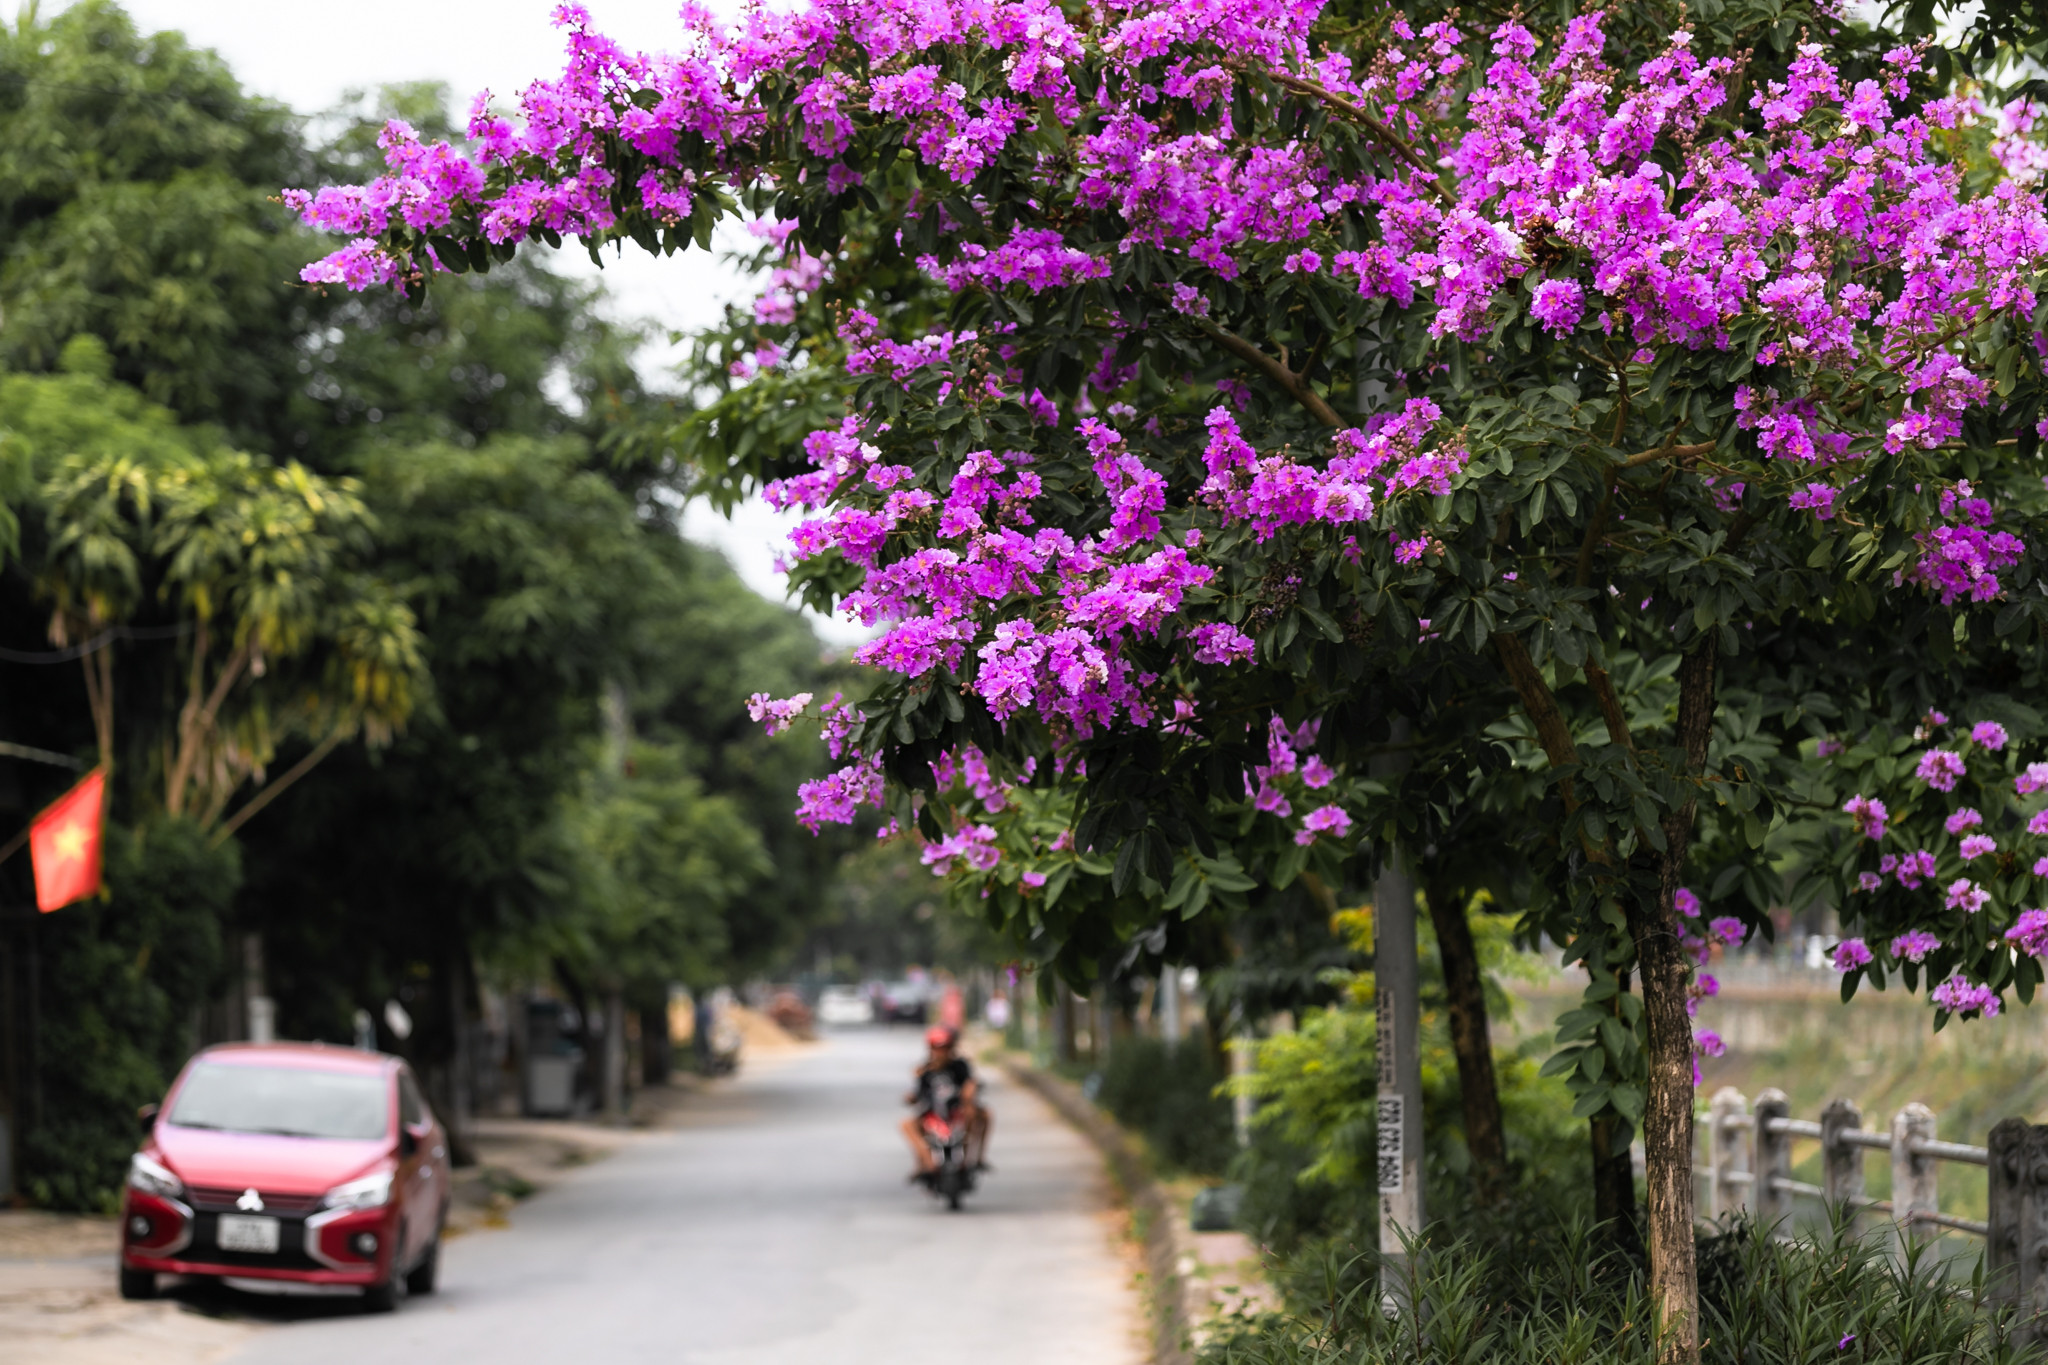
<point>946,1087</point>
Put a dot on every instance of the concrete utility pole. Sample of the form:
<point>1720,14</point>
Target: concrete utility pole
<point>1395,976</point>
<point>1169,1006</point>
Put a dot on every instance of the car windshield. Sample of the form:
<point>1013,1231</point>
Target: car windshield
<point>284,1100</point>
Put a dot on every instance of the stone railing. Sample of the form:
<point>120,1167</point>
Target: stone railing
<point>1749,1168</point>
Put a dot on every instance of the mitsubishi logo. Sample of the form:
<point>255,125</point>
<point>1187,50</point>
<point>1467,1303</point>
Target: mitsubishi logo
<point>250,1202</point>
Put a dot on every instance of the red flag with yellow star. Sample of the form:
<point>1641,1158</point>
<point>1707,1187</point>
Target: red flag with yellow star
<point>64,843</point>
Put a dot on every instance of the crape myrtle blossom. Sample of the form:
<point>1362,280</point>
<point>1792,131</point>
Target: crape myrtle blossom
<point>777,716</point>
<point>1914,946</point>
<point>2030,933</point>
<point>1329,820</point>
<point>1964,888</point>
<point>1939,769</point>
<point>1959,995</point>
<point>1541,147</point>
<point>1558,148</point>
<point>1869,816</point>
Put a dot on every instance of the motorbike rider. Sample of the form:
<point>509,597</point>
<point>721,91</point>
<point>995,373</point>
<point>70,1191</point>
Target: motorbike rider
<point>946,1087</point>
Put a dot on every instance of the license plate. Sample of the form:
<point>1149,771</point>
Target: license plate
<point>240,1232</point>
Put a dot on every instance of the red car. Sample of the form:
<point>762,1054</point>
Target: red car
<point>289,1162</point>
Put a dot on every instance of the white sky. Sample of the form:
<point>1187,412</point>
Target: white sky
<point>309,56</point>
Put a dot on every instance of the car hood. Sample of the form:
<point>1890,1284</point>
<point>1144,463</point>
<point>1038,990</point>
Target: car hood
<point>278,1165</point>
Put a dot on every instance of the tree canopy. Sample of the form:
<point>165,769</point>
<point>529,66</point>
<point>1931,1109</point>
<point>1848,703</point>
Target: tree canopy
<point>1319,385</point>
<point>343,589</point>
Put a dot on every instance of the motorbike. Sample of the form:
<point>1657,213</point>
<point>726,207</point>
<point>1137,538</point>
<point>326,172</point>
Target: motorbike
<point>950,1178</point>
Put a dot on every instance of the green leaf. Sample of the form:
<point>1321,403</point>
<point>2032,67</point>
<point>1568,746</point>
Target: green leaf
<point>1057,883</point>
<point>1590,1102</point>
<point>1128,864</point>
<point>1628,1100</point>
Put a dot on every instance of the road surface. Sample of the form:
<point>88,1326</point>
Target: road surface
<point>772,1224</point>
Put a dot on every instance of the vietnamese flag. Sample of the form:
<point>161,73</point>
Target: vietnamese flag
<point>64,844</point>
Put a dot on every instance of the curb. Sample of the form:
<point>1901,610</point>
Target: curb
<point>1157,1217</point>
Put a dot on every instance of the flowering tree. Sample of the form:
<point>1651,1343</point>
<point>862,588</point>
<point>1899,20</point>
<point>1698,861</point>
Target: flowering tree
<point>1297,376</point>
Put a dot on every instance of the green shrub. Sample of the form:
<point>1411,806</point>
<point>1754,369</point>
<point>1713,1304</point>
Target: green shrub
<point>1169,1095</point>
<point>119,983</point>
<point>1309,1172</point>
<point>1571,1302</point>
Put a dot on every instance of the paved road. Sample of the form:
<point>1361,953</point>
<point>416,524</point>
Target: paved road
<point>774,1225</point>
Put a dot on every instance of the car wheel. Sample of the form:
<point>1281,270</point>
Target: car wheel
<point>420,1279</point>
<point>138,1284</point>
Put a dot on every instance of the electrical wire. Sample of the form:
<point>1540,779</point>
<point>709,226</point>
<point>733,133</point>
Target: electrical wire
<point>94,645</point>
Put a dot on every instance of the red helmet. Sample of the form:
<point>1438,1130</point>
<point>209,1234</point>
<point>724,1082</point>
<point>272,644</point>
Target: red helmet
<point>940,1036</point>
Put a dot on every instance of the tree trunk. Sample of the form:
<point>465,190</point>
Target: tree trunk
<point>1471,1041</point>
<point>613,1075</point>
<point>1614,1170</point>
<point>1667,973</point>
<point>657,1056</point>
<point>1614,1186</point>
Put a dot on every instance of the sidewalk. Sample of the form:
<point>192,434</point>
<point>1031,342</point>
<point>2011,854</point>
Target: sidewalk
<point>1197,1278</point>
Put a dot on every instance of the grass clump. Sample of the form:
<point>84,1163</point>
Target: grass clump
<point>1168,1094</point>
<point>1573,1301</point>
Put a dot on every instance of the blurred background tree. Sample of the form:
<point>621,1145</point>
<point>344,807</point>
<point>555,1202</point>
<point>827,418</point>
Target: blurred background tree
<point>412,685</point>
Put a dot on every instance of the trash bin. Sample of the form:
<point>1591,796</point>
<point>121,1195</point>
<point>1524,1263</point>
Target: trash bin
<point>553,1060</point>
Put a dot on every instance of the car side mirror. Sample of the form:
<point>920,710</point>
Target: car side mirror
<point>408,1141</point>
<point>146,1116</point>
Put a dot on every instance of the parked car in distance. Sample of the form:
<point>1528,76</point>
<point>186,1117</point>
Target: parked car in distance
<point>285,1165</point>
<point>903,1002</point>
<point>839,1006</point>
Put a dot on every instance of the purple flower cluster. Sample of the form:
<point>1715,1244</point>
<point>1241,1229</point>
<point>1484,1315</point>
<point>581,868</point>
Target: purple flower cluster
<point>777,716</point>
<point>971,846</point>
<point>1959,995</point>
<point>1912,869</point>
<point>1869,815</point>
<point>1962,559</point>
<point>1774,225</point>
<point>2030,932</point>
<point>1914,945</point>
<point>1329,820</point>
<point>1939,769</point>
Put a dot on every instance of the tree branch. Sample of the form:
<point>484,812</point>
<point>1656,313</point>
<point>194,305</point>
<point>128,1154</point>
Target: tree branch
<point>276,786</point>
<point>1643,457</point>
<point>1595,528</point>
<point>1297,388</point>
<point>1610,707</point>
<point>1552,732</point>
<point>1381,133</point>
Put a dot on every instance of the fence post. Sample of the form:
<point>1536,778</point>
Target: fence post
<point>2033,1183</point>
<point>1913,1184</point>
<point>1842,1164</point>
<point>1727,1150</point>
<point>2007,1273</point>
<point>1773,1204</point>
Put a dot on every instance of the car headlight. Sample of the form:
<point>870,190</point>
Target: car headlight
<point>370,1192</point>
<point>153,1177</point>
